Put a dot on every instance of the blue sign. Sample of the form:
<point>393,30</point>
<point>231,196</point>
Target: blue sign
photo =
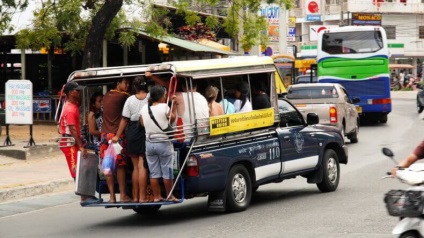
<point>41,105</point>
<point>292,32</point>
<point>313,17</point>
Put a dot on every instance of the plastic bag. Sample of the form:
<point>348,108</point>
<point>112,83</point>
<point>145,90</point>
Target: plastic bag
<point>109,160</point>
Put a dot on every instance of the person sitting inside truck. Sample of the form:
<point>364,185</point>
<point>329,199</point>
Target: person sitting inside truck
<point>185,112</point>
<point>95,119</point>
<point>215,109</point>
<point>241,94</point>
<point>260,98</point>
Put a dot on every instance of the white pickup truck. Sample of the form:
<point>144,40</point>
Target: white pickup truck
<point>332,104</point>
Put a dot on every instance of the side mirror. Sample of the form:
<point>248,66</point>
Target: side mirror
<point>356,100</point>
<point>312,119</point>
<point>388,152</point>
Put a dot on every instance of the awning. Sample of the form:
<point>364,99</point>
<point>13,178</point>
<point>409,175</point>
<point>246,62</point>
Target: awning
<point>185,44</point>
<point>213,44</point>
<point>401,66</point>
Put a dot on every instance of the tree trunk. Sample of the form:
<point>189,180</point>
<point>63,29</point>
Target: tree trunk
<point>93,45</point>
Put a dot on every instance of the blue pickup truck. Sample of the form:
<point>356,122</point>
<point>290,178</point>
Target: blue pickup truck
<point>228,157</point>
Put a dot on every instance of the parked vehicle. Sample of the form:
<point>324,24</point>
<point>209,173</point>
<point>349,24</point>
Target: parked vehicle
<point>407,204</point>
<point>331,102</point>
<point>228,157</point>
<point>306,79</point>
<point>420,98</point>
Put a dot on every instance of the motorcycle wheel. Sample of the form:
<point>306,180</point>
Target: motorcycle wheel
<point>419,108</point>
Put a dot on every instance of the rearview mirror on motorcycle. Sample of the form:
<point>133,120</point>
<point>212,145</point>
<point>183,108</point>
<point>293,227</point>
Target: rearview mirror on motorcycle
<point>389,153</point>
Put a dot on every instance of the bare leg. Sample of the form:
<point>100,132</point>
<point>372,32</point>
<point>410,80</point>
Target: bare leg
<point>154,182</point>
<point>121,183</point>
<point>135,181</point>
<point>142,179</point>
<point>111,186</point>
<point>168,186</point>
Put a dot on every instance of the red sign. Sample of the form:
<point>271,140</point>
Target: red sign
<point>313,7</point>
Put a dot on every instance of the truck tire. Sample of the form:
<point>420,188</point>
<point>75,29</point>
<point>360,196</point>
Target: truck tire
<point>331,172</point>
<point>239,189</point>
<point>147,209</point>
<point>354,136</point>
<point>383,119</point>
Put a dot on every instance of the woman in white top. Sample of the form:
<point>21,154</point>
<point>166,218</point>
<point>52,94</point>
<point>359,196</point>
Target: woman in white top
<point>159,150</point>
<point>242,102</point>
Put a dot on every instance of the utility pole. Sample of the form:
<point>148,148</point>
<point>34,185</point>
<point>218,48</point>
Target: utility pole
<point>282,25</point>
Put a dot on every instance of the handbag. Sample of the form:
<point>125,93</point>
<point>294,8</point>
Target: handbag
<point>166,130</point>
<point>109,160</point>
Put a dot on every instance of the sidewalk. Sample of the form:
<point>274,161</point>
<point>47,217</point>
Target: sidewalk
<point>35,170</point>
<point>43,169</point>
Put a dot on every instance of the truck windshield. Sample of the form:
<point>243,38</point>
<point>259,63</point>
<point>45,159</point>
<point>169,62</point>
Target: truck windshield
<point>312,92</point>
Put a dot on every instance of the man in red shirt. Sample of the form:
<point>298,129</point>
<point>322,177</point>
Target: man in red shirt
<point>70,127</point>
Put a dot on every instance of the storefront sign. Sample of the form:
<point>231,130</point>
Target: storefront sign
<point>361,19</point>
<point>313,17</point>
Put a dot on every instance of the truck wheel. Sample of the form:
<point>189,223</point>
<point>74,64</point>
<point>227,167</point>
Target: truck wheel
<point>239,189</point>
<point>331,172</point>
<point>383,119</point>
<point>354,136</point>
<point>147,209</point>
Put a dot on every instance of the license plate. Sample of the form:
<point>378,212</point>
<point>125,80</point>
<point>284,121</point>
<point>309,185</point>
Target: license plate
<point>359,109</point>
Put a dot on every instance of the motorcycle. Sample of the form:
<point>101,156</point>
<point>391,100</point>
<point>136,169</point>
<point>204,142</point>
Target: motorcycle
<point>395,85</point>
<point>407,204</point>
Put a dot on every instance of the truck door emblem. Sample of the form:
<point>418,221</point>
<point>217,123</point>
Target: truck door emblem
<point>298,142</point>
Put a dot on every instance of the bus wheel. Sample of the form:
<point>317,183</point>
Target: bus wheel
<point>147,209</point>
<point>239,189</point>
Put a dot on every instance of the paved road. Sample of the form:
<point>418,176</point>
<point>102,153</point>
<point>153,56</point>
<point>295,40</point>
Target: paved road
<point>292,208</point>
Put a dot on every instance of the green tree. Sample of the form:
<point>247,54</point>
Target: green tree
<point>7,9</point>
<point>86,23</point>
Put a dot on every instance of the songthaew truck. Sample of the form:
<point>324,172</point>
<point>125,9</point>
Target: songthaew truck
<point>227,157</point>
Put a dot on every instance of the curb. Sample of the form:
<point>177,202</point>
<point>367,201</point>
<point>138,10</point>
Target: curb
<point>35,190</point>
<point>24,153</point>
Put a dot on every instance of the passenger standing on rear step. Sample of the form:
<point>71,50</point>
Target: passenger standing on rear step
<point>159,150</point>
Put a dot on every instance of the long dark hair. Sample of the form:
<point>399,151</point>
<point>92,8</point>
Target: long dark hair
<point>93,97</point>
<point>140,84</point>
<point>243,88</point>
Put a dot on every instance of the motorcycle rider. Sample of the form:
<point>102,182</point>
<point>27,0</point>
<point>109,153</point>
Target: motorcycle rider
<point>417,154</point>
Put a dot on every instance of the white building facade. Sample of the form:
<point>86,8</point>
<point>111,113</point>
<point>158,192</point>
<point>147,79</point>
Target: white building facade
<point>403,21</point>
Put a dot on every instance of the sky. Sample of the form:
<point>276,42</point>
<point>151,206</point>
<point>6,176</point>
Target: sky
<point>23,19</point>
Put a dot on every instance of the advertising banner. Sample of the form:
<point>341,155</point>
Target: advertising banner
<point>18,102</point>
<point>41,105</point>
<point>241,121</point>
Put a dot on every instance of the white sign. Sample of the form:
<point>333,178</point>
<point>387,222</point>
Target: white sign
<point>19,102</point>
<point>314,30</point>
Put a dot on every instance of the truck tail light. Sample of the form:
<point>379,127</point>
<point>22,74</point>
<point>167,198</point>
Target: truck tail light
<point>333,115</point>
<point>382,101</point>
<point>192,167</point>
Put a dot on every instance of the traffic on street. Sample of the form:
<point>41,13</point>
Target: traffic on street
<point>292,208</point>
